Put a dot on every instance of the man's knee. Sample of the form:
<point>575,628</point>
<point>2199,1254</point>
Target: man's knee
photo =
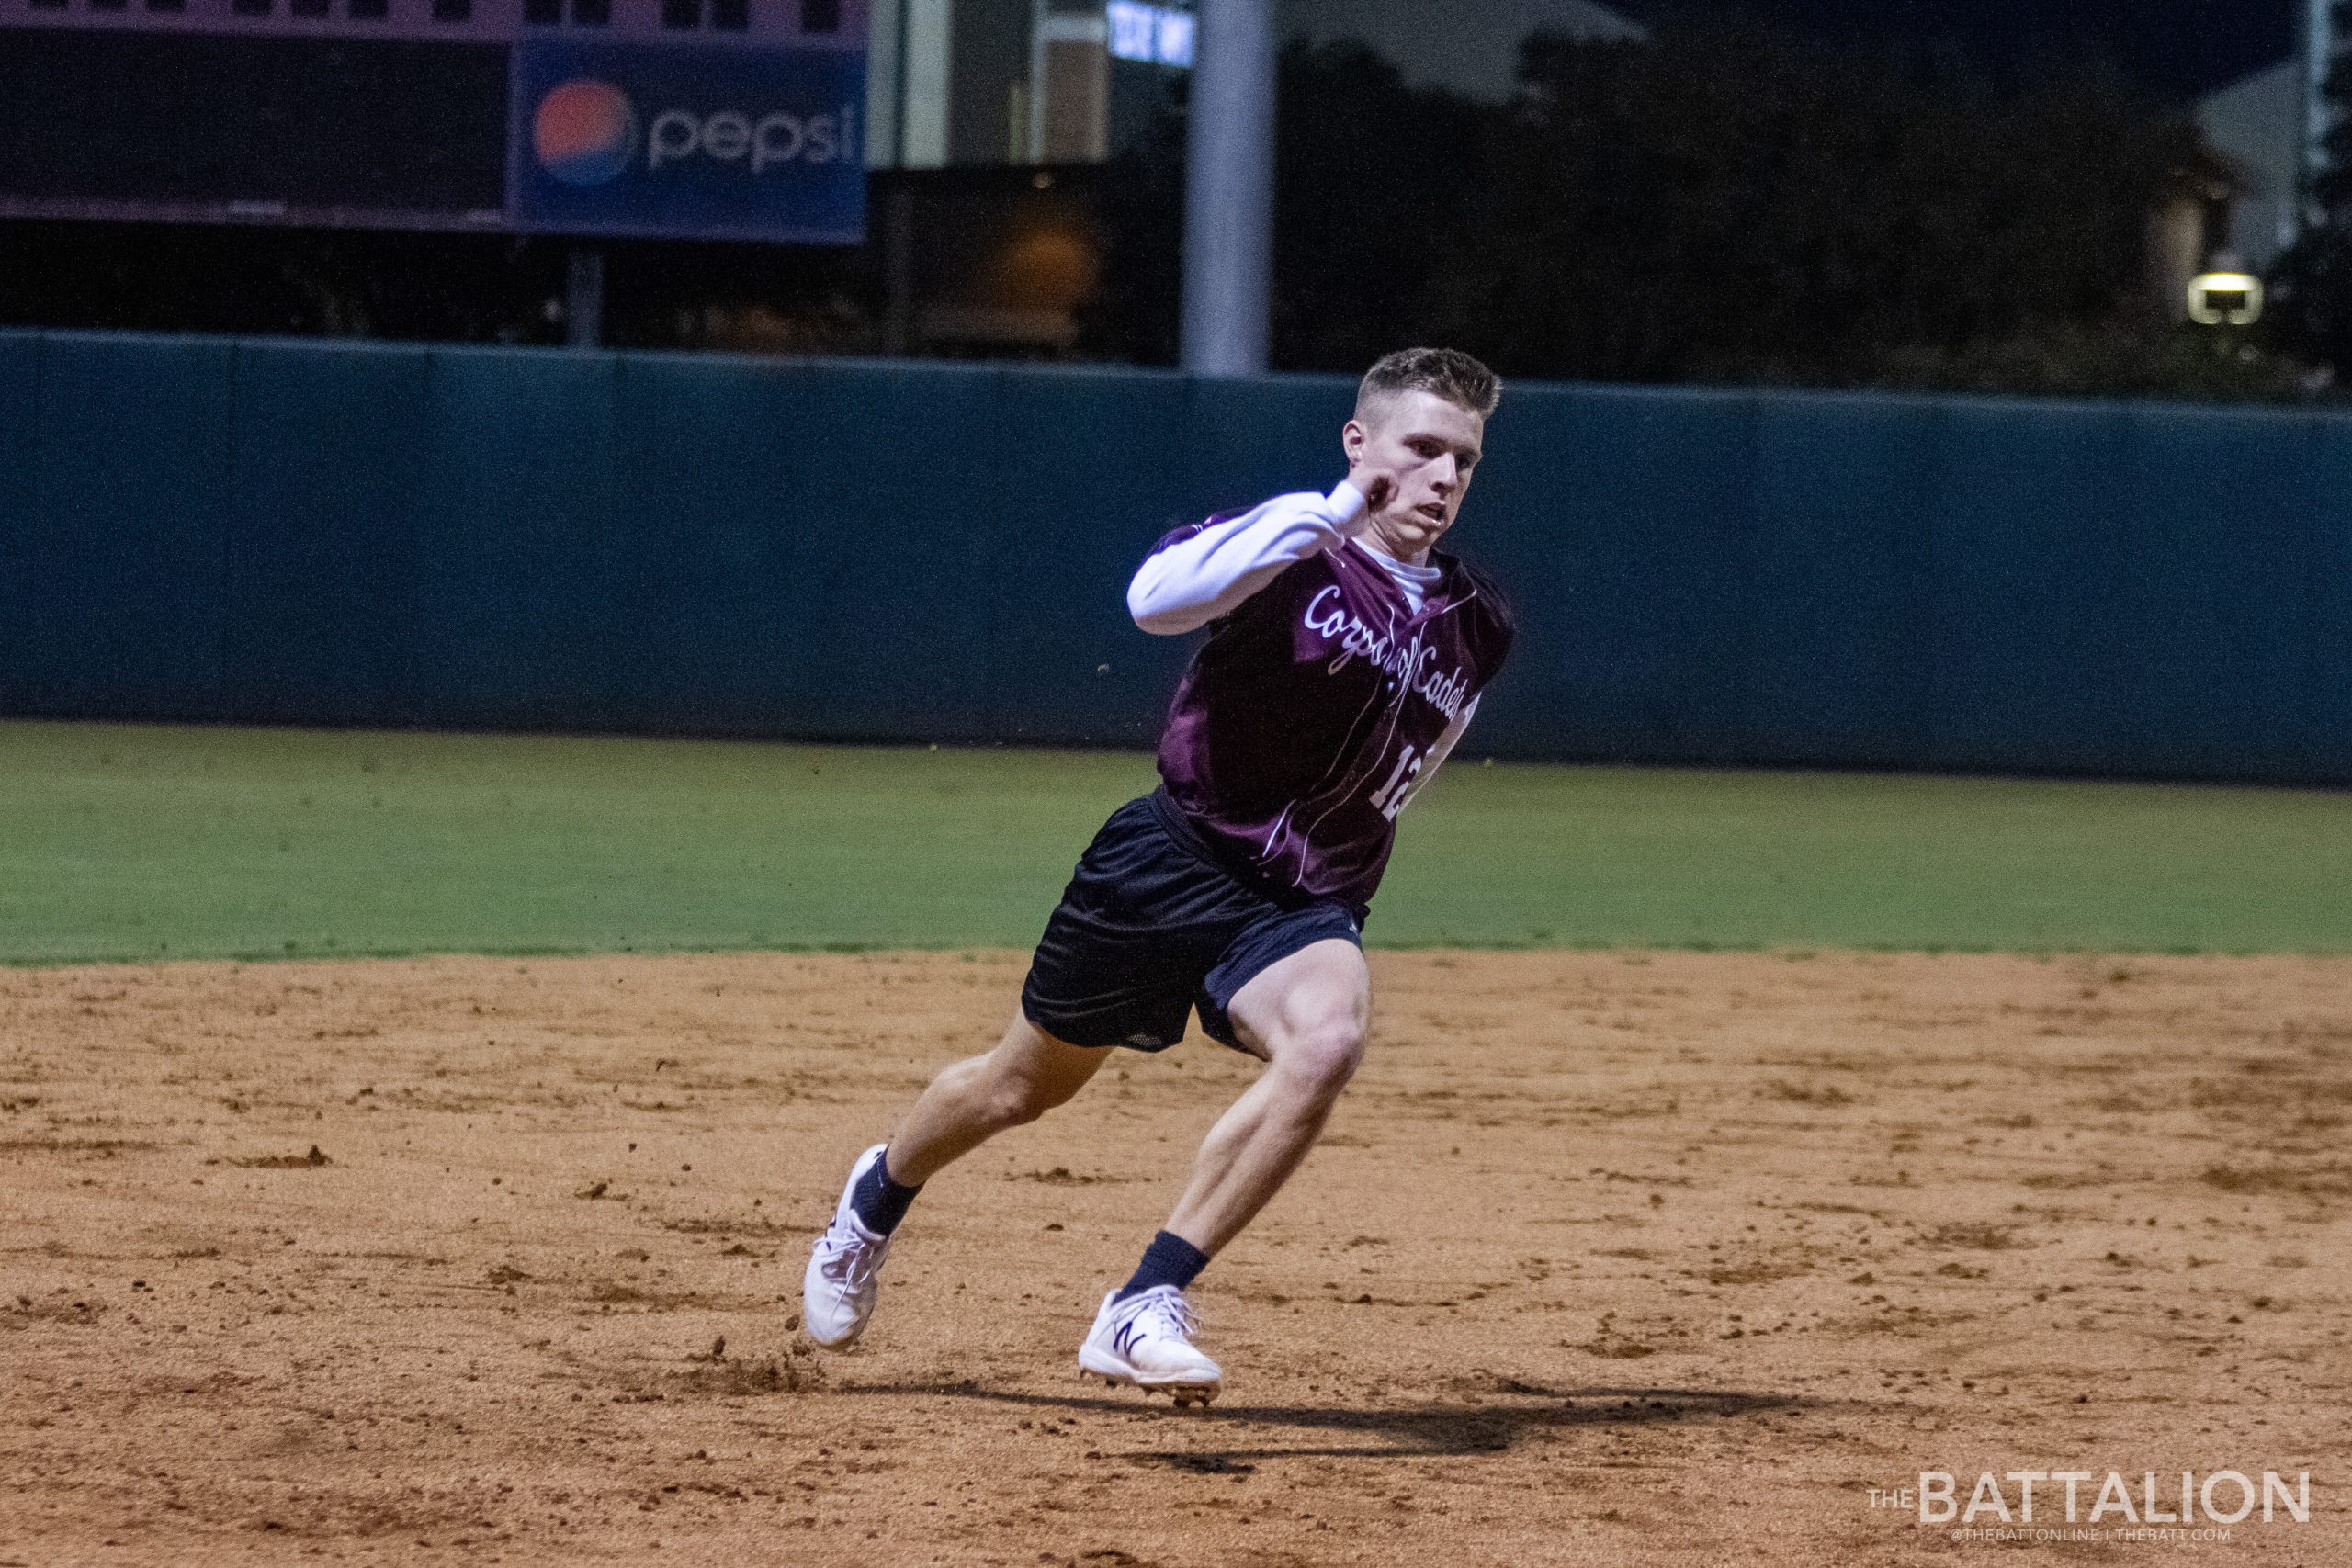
<point>1013,1097</point>
<point>1321,1055</point>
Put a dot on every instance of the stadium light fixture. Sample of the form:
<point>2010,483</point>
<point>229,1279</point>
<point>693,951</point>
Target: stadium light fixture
<point>2226,298</point>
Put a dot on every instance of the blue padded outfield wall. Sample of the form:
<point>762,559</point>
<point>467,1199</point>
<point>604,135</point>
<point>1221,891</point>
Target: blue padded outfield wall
<point>308,533</point>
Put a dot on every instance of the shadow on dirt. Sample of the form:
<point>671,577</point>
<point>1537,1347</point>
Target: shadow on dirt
<point>1446,1429</point>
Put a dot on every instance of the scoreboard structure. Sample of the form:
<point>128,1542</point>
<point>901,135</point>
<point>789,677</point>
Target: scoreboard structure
<point>733,119</point>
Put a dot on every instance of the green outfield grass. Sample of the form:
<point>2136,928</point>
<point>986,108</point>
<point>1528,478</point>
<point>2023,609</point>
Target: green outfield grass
<point>145,842</point>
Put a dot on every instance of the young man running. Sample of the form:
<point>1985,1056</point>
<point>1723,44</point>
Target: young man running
<point>1344,659</point>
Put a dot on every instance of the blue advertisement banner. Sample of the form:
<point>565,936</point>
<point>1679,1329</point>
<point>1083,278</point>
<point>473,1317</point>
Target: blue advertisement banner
<point>688,141</point>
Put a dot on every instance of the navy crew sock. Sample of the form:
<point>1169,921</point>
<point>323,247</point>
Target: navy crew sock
<point>1168,1260</point>
<point>878,1202</point>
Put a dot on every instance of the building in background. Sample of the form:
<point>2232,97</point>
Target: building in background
<point>962,82</point>
<point>957,82</point>
<point>2271,126</point>
<point>2256,125</point>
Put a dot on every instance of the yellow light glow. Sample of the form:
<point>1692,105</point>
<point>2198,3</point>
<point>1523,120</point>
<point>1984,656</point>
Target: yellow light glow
<point>2225,299</point>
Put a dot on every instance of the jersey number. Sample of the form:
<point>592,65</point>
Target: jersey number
<point>1390,797</point>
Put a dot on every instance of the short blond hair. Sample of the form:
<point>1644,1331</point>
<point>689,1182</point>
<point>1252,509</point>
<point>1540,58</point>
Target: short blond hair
<point>1447,372</point>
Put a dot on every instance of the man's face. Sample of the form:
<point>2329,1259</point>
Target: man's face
<point>1428,447</point>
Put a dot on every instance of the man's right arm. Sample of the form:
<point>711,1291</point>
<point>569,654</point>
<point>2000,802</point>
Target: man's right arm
<point>1199,573</point>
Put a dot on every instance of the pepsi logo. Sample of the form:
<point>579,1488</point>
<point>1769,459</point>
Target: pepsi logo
<point>585,132</point>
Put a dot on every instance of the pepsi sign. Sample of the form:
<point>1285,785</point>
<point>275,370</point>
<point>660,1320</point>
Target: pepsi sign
<point>688,141</point>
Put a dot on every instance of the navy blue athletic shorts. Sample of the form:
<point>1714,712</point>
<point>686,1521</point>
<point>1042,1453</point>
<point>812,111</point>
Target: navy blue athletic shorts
<point>1151,927</point>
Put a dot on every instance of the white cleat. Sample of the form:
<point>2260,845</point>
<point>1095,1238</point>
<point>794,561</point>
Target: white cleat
<point>1146,1342</point>
<point>837,1294</point>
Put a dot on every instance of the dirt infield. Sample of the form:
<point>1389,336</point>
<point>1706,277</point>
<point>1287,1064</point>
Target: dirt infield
<point>1609,1258</point>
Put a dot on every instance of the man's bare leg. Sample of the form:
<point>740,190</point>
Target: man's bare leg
<point>1028,1073</point>
<point>970,1101</point>
<point>1306,1015</point>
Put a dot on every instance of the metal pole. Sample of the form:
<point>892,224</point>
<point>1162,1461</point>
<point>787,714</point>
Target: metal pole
<point>583,298</point>
<point>1229,190</point>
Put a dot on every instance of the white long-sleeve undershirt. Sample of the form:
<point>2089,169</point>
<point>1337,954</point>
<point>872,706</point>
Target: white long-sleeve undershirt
<point>1194,580</point>
<point>1413,582</point>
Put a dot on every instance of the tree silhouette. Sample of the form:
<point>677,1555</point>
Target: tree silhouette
<point>1722,203</point>
<point>1728,203</point>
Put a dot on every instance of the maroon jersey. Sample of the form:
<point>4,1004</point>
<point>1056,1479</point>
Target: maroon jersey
<point>1320,702</point>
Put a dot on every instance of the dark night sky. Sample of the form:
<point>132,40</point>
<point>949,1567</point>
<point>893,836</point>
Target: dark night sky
<point>2175,46</point>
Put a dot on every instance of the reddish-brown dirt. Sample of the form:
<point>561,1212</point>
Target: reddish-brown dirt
<point>1608,1258</point>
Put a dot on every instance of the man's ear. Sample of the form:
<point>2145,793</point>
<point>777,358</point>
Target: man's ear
<point>1353,436</point>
